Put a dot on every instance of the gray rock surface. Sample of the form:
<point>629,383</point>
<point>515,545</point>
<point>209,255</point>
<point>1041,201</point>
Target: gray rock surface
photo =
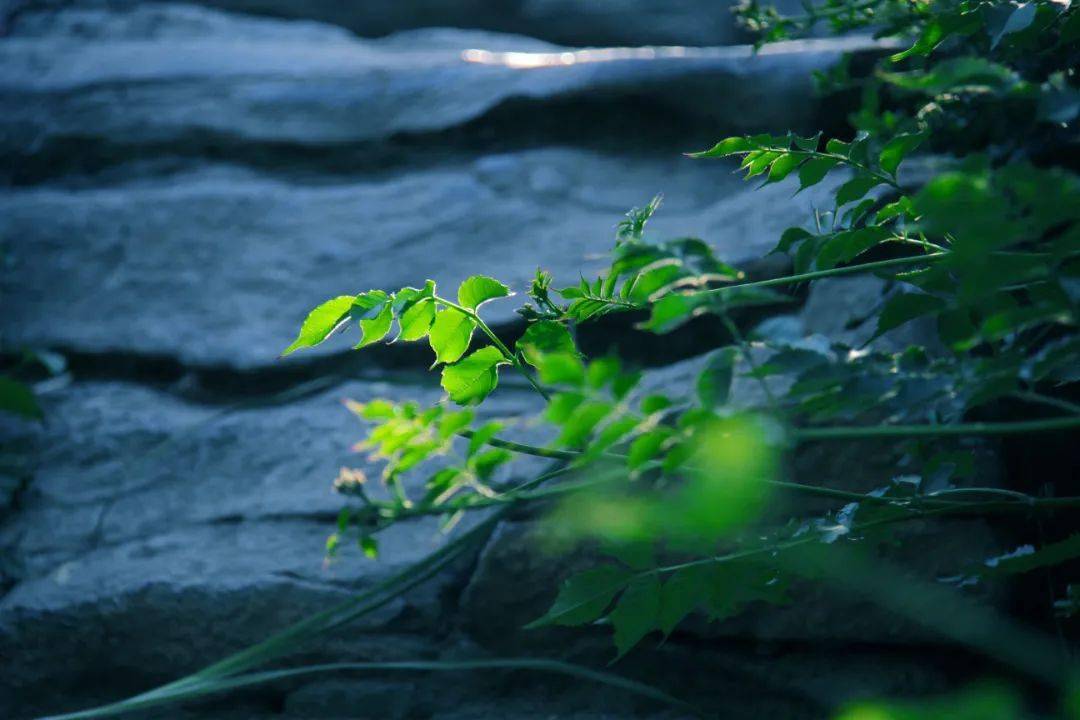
<point>130,83</point>
<point>159,266</point>
<point>572,22</point>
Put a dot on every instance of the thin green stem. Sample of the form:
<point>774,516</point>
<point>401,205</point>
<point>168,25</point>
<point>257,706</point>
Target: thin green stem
<point>1019,500</point>
<point>1058,403</point>
<point>232,683</point>
<point>931,431</point>
<point>744,350</point>
<point>833,272</point>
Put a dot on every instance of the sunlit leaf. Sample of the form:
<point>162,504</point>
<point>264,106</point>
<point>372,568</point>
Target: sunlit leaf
<point>479,289</point>
<point>320,322</point>
<point>450,335</point>
<point>471,379</point>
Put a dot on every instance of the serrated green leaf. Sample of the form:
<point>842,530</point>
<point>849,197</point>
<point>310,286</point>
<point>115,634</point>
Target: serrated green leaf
<point>726,147</point>
<point>815,170</point>
<point>680,595</point>
<point>897,149</point>
<point>837,147</point>
<point>479,289</point>
<point>373,312</point>
<point>450,335</point>
<point>761,162</point>
<point>784,166</point>
<point>674,310</point>
<point>584,597</point>
<point>471,379</point>
<point>791,237</point>
<point>320,322</point>
<point>636,614</point>
<point>856,188</point>
<point>417,319</point>
<point>849,244</point>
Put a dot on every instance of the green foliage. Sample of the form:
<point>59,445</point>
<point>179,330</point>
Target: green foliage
<point>678,486</point>
<point>18,399</point>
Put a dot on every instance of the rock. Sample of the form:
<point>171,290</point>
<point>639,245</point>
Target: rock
<point>79,78</point>
<point>334,698</point>
<point>158,536</point>
<point>218,267</point>
<point>573,22</point>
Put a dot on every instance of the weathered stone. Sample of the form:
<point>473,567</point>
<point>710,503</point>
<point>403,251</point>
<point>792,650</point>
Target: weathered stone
<point>220,266</point>
<point>203,527</point>
<point>573,22</point>
<point>123,80</point>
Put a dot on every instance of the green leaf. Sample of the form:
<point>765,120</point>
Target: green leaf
<point>486,463</point>
<point>471,379</point>
<point>369,546</point>
<point>481,435</point>
<point>760,162</point>
<point>584,597</point>
<point>478,289</point>
<point>897,149</point>
<point>602,371</point>
<point>837,147</point>
<point>674,310</point>
<point>849,244</point>
<point>375,315</point>
<point>855,188</point>
<point>791,237</point>
<point>580,424</point>
<point>544,337</point>
<point>320,322</point>
<point>680,595</point>
<point>18,399</point>
<point>903,308</point>
<point>562,406</point>
<point>932,35</point>
<point>646,447</point>
<point>784,167</point>
<point>815,170</point>
<point>450,335</point>
<point>714,382</point>
<point>417,319</point>
<point>636,614</point>
<point>726,147</point>
<point>560,369</point>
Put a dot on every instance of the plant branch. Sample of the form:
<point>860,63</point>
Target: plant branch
<point>514,359</point>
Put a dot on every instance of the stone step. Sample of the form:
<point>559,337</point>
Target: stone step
<point>77,78</point>
<point>219,266</point>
